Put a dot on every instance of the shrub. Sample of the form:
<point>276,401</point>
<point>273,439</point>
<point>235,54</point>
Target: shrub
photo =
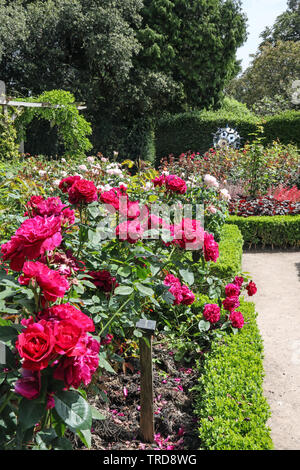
<point>8,138</point>
<point>281,231</point>
<point>284,126</point>
<point>231,250</point>
<point>267,205</point>
<point>231,407</point>
<point>194,130</point>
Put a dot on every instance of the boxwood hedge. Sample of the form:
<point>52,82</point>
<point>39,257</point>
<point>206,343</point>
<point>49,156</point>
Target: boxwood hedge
<point>278,231</point>
<point>230,405</point>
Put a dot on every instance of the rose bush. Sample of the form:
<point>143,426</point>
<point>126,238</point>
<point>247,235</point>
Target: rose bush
<point>90,257</point>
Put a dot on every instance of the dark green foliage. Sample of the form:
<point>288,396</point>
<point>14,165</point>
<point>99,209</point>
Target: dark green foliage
<point>231,407</point>
<point>194,130</point>
<point>128,60</point>
<point>231,250</point>
<point>280,231</point>
<point>284,126</point>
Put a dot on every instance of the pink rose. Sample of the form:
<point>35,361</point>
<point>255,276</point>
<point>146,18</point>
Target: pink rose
<point>52,284</point>
<point>210,248</point>
<point>130,230</point>
<point>32,239</point>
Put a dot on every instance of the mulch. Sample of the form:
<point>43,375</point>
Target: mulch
<point>175,422</point>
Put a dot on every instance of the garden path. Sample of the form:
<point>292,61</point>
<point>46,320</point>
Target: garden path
<point>277,276</point>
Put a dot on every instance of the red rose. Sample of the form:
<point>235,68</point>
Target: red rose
<point>230,303</point>
<point>175,184</point>
<point>31,240</point>
<point>66,183</point>
<point>67,336</point>
<point>211,313</point>
<point>83,191</point>
<point>210,248</point>
<point>103,280</point>
<point>68,312</point>
<point>237,319</point>
<point>232,290</point>
<point>159,180</point>
<point>112,197</point>
<point>52,284</point>
<point>251,288</point>
<point>36,345</point>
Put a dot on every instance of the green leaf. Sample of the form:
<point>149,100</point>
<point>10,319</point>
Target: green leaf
<point>73,409</point>
<point>124,271</point>
<point>203,325</point>
<point>8,334</point>
<point>104,364</point>
<point>123,290</point>
<point>187,276</point>
<point>62,443</point>
<point>96,415</point>
<point>145,291</point>
<point>85,436</point>
<point>30,412</point>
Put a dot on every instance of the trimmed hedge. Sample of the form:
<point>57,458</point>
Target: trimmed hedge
<point>231,251</point>
<point>230,404</point>
<point>194,130</point>
<point>231,407</point>
<point>284,126</point>
<point>278,231</point>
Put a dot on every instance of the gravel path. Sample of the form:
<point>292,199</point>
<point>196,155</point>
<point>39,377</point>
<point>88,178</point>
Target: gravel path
<point>277,276</point>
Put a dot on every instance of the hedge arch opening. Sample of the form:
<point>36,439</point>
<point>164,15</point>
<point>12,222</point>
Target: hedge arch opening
<point>66,125</point>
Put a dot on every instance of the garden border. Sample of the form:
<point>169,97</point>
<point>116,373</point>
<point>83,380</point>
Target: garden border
<point>230,404</point>
<point>278,231</point>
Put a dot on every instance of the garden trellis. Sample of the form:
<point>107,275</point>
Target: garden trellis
<point>6,101</point>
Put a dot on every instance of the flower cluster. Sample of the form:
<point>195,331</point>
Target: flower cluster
<point>181,293</point>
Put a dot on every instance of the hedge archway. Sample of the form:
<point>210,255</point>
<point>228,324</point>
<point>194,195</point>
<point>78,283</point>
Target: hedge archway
<point>73,128</point>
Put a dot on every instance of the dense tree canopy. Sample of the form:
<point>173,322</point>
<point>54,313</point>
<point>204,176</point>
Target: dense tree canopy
<point>269,77</point>
<point>129,60</point>
<point>286,26</point>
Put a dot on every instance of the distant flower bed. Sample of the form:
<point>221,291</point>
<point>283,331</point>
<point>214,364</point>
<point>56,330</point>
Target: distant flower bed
<point>266,205</point>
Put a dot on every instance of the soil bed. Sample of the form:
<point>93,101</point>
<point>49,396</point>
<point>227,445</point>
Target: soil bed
<point>174,420</point>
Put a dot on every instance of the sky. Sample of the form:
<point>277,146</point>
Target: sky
<point>260,13</point>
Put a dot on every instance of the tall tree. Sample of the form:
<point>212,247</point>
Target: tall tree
<point>286,26</point>
<point>128,59</point>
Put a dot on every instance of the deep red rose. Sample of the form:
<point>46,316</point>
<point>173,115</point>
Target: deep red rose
<point>83,191</point>
<point>238,280</point>
<point>103,280</point>
<point>159,180</point>
<point>75,370</point>
<point>175,184</point>
<point>68,312</point>
<point>29,385</point>
<point>251,288</point>
<point>67,338</point>
<point>230,303</point>
<point>31,240</point>
<point>36,345</point>
<point>232,290</point>
<point>46,207</point>
<point>66,183</point>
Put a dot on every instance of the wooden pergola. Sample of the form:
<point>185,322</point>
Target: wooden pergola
<point>6,101</point>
